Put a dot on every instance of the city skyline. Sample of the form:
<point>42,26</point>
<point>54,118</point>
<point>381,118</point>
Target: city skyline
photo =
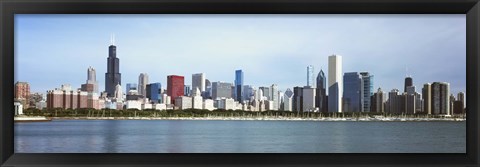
<point>256,71</point>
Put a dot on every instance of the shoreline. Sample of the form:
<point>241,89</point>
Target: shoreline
<point>268,119</point>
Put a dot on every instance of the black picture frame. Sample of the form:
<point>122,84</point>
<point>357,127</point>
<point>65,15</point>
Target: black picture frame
<point>10,7</point>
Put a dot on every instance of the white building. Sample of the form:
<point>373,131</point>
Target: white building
<point>335,83</point>
<point>118,93</point>
<point>183,102</point>
<point>160,106</point>
<point>268,105</point>
<point>308,98</point>
<point>197,99</point>
<point>288,100</point>
<point>134,104</point>
<point>147,106</point>
<point>18,108</point>
<point>208,104</point>
<point>198,81</point>
<point>274,96</point>
<point>226,104</point>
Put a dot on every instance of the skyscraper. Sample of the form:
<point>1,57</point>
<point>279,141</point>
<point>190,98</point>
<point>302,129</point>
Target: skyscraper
<point>274,95</point>
<point>310,76</point>
<point>408,82</point>
<point>297,99</point>
<point>238,85</point>
<point>187,90</point>
<point>335,83</point>
<point>427,98</point>
<point>367,80</point>
<point>288,100</point>
<point>175,85</point>
<point>396,102</point>
<point>353,92</point>
<point>91,84</point>
<point>266,92</point>
<point>441,98</point>
<point>461,97</point>
<point>378,100</point>
<point>153,92</point>
<point>113,77</point>
<point>142,84</point>
<point>308,101</point>
<point>198,81</point>
<point>321,94</point>
<point>221,90</point>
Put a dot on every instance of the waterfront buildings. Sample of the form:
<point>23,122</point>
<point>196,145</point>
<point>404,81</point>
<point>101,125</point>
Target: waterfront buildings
<point>142,84</point>
<point>297,99</point>
<point>91,85</point>
<point>395,102</point>
<point>66,98</point>
<point>288,100</point>
<point>353,92</point>
<point>221,90</point>
<point>440,98</point>
<point>308,102</point>
<point>131,89</point>
<point>427,98</point>
<point>113,76</point>
<point>118,93</point>
<point>22,93</point>
<point>310,76</point>
<point>175,87</point>
<point>183,102</point>
<point>238,85</point>
<point>154,91</point>
<point>198,81</point>
<point>18,108</point>
<point>266,92</point>
<point>321,94</point>
<point>378,100</point>
<point>367,90</point>
<point>197,100</point>
<point>335,83</point>
<point>187,91</point>
<point>274,96</point>
<point>408,82</point>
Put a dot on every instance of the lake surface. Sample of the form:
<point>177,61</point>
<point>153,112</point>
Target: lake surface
<point>182,136</point>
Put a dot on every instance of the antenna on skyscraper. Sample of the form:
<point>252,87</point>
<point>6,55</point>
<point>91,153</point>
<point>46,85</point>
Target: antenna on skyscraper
<point>112,39</point>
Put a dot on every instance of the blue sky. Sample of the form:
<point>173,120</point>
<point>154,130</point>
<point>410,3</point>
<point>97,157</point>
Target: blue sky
<point>51,50</point>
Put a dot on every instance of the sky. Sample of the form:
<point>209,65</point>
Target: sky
<point>53,49</point>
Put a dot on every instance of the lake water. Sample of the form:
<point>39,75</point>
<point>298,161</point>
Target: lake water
<point>181,136</point>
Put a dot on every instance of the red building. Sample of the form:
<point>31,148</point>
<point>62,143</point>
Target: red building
<point>22,93</point>
<point>175,86</point>
<point>67,99</point>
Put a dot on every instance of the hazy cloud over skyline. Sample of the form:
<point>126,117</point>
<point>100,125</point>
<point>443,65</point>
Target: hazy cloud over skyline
<point>51,50</point>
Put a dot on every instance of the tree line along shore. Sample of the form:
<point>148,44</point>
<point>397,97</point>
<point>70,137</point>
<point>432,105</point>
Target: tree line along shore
<point>197,113</point>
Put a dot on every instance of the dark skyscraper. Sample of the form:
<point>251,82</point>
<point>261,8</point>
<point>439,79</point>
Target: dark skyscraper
<point>408,82</point>
<point>113,76</point>
<point>352,92</point>
<point>321,94</point>
<point>238,85</point>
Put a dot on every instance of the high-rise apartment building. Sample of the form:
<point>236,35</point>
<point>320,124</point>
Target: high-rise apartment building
<point>274,95</point>
<point>335,83</point>
<point>367,90</point>
<point>378,100</point>
<point>440,98</point>
<point>308,102</point>
<point>22,93</point>
<point>427,98</point>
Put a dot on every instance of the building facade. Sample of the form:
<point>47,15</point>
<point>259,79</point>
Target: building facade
<point>175,87</point>
<point>113,76</point>
<point>321,94</point>
<point>335,83</point>
<point>352,92</point>
<point>238,85</point>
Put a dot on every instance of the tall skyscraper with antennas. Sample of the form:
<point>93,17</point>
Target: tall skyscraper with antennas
<point>112,76</point>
